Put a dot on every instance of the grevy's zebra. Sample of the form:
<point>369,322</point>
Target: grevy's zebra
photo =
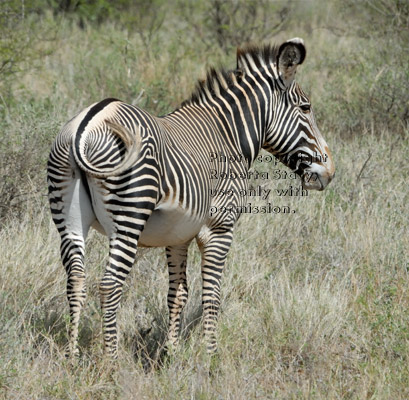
<point>145,181</point>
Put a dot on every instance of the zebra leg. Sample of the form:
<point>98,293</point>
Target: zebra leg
<point>214,252</point>
<point>73,215</point>
<point>125,221</point>
<point>72,255</point>
<point>121,259</point>
<point>178,293</point>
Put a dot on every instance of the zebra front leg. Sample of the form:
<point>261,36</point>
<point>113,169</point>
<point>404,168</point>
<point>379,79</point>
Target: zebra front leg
<point>214,252</point>
<point>121,260</point>
<point>72,255</point>
<point>178,292</point>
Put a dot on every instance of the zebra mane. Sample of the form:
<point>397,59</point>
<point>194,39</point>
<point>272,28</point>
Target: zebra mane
<point>253,56</point>
<point>249,58</point>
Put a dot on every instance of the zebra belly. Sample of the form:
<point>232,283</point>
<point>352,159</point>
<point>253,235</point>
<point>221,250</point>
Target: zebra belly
<point>169,227</point>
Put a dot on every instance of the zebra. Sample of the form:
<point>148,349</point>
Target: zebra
<point>145,181</point>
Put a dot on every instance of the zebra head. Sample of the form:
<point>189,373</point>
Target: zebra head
<point>292,135</point>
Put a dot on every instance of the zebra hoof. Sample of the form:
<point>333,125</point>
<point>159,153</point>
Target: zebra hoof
<point>72,354</point>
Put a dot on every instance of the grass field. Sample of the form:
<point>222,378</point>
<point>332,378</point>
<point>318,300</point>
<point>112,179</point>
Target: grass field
<point>315,304</point>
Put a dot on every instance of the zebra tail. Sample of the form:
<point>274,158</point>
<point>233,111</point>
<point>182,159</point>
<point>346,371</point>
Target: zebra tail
<point>132,144</point>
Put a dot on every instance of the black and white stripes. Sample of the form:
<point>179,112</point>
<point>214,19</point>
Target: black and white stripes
<point>147,181</point>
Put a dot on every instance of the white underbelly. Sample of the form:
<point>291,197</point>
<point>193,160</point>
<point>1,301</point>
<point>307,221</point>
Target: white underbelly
<point>169,227</point>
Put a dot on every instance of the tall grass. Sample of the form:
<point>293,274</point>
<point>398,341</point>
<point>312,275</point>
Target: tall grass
<point>314,303</point>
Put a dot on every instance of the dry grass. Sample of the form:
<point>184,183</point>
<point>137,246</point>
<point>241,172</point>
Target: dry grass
<point>314,304</point>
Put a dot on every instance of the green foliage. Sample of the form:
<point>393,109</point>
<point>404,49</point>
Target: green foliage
<point>142,16</point>
<point>314,306</point>
<point>368,85</point>
<point>22,164</point>
<point>150,53</point>
<point>229,24</point>
<point>15,41</point>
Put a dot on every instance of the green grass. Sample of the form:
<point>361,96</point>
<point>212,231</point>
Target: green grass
<point>314,304</point>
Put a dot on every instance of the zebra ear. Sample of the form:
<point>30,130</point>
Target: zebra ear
<point>290,54</point>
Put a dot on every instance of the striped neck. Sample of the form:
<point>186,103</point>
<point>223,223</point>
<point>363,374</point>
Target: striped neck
<point>243,103</point>
<point>243,98</point>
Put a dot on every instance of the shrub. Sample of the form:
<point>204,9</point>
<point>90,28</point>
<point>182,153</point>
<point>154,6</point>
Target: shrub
<point>369,83</point>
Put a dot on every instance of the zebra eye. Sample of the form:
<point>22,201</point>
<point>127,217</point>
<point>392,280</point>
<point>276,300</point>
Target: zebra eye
<point>306,108</point>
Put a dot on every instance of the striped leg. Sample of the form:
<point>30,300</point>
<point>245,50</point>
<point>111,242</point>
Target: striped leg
<point>178,293</point>
<point>121,259</point>
<point>73,215</point>
<point>128,221</point>
<point>72,254</point>
<point>214,252</point>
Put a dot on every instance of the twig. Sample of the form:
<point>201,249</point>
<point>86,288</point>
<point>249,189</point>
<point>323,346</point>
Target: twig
<point>363,167</point>
<point>359,176</point>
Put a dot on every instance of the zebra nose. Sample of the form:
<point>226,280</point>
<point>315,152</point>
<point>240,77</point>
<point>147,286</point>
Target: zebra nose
<point>331,177</point>
<point>326,179</point>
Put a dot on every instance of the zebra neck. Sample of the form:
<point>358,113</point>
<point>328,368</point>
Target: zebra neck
<point>244,115</point>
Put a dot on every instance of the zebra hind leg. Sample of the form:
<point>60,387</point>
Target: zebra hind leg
<point>121,259</point>
<point>72,254</point>
<point>178,292</point>
<point>73,215</point>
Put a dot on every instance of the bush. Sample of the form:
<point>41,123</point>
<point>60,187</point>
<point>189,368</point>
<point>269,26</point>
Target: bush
<point>368,85</point>
<point>228,24</point>
<point>151,53</point>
